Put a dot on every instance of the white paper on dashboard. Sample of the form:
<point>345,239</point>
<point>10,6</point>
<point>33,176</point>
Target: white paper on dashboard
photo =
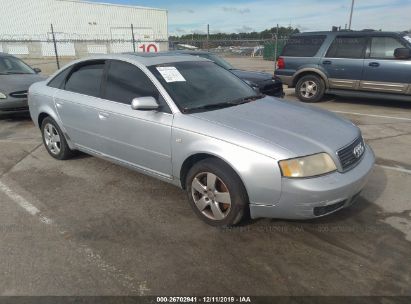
<point>170,74</point>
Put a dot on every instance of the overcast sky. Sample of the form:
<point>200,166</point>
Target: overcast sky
<point>255,15</point>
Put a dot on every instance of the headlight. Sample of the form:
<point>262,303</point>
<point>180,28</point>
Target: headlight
<point>307,166</point>
<point>2,95</point>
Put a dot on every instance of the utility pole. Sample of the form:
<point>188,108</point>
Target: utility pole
<point>132,38</point>
<point>55,47</point>
<point>208,35</point>
<point>352,9</point>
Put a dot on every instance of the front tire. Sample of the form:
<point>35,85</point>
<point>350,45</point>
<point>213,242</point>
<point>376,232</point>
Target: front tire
<point>216,193</point>
<point>310,88</point>
<point>54,140</point>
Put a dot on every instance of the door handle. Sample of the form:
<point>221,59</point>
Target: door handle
<point>374,64</point>
<point>103,116</point>
<point>327,62</point>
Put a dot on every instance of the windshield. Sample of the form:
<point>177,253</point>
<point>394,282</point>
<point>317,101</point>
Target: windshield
<point>220,61</point>
<point>198,85</point>
<point>408,38</point>
<point>13,65</point>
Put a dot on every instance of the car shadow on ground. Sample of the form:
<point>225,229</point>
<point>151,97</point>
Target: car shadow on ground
<point>359,101</point>
<point>371,102</point>
<point>15,117</point>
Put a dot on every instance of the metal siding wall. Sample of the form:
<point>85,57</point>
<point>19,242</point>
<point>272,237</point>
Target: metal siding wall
<point>81,20</point>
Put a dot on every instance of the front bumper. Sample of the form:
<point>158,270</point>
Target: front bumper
<point>13,106</point>
<point>315,197</point>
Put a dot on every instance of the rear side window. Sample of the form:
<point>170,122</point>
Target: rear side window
<point>303,46</point>
<point>58,81</point>
<point>347,47</point>
<point>86,79</point>
<point>384,47</point>
<point>126,82</point>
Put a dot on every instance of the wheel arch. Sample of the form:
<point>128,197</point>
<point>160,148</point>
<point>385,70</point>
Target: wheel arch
<point>43,114</point>
<point>190,161</point>
<point>310,71</point>
<point>41,117</point>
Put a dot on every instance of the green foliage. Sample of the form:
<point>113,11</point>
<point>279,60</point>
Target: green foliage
<point>266,34</point>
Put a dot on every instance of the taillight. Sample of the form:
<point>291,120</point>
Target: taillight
<point>280,63</point>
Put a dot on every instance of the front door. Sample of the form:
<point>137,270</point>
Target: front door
<point>382,71</point>
<point>344,62</point>
<point>139,138</point>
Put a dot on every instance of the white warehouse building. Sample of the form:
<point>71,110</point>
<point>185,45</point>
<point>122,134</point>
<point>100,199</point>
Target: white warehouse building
<point>29,21</point>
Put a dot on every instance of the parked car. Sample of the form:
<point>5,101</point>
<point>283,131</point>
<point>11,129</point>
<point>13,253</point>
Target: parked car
<point>15,79</point>
<point>362,63</point>
<point>264,82</point>
<point>231,150</point>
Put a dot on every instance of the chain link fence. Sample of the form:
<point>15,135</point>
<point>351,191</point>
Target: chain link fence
<point>52,50</point>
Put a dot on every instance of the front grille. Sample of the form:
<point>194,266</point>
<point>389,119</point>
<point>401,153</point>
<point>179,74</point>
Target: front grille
<point>19,94</point>
<point>350,155</point>
<point>318,211</point>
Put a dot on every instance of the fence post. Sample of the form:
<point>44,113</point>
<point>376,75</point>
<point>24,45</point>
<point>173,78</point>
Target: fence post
<point>132,37</point>
<point>55,47</point>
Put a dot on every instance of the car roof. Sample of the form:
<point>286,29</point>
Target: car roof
<point>146,59</point>
<point>347,32</point>
<point>149,59</point>
<point>189,52</point>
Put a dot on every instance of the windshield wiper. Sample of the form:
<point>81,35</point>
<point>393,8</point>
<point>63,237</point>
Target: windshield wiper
<point>226,104</point>
<point>246,99</point>
<point>17,73</point>
<point>209,107</point>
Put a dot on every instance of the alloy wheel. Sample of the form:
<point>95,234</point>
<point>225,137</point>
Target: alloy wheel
<point>308,89</point>
<point>211,196</point>
<point>52,139</point>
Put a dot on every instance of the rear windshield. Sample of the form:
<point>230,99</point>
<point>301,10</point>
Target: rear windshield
<point>303,46</point>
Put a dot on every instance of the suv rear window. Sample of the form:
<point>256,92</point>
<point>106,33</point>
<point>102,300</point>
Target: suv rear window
<point>303,46</point>
<point>347,47</point>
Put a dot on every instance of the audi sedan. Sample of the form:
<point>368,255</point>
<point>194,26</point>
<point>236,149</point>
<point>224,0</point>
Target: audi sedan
<point>232,151</point>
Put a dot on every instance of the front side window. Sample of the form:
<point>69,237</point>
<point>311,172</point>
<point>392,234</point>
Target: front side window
<point>384,47</point>
<point>12,65</point>
<point>199,85</point>
<point>348,47</point>
<point>86,79</point>
<point>126,82</point>
<point>303,46</point>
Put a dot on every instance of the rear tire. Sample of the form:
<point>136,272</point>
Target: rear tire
<point>216,193</point>
<point>310,88</point>
<point>54,140</point>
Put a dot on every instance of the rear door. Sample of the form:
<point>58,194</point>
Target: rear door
<point>382,71</point>
<point>344,61</point>
<point>77,102</point>
<point>138,138</point>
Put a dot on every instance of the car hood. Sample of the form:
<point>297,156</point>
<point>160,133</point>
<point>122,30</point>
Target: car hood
<point>253,76</point>
<point>18,82</point>
<point>279,129</point>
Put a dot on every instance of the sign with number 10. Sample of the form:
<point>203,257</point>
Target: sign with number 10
<point>148,47</point>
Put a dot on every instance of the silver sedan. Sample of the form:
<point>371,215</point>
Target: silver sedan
<point>187,121</point>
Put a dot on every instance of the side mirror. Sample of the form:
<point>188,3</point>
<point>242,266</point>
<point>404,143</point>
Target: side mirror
<point>144,104</point>
<point>402,53</point>
<point>37,70</point>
